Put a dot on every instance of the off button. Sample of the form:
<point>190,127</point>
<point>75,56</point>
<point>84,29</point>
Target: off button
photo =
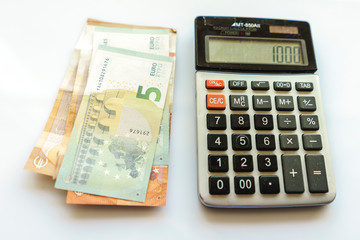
<point>215,101</point>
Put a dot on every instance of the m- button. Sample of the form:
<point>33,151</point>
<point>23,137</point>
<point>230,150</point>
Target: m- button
<point>215,101</point>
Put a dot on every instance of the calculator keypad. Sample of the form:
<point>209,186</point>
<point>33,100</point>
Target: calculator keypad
<point>264,140</point>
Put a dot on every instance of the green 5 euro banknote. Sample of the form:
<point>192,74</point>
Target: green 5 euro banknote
<point>112,145</point>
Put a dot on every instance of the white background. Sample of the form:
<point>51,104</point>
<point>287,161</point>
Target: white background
<point>36,42</point>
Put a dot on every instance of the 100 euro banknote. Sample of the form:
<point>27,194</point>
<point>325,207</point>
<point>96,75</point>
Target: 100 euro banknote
<point>114,138</point>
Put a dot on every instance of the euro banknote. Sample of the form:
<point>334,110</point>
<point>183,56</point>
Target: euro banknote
<point>113,141</point>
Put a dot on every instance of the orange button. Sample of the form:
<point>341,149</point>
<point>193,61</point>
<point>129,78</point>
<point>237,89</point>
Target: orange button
<point>215,101</point>
<point>215,84</point>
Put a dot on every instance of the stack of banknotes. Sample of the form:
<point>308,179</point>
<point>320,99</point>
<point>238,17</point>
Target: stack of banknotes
<point>107,138</point>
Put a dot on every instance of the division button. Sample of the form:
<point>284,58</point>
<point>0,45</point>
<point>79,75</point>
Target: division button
<point>267,163</point>
<point>219,185</point>
<point>237,84</point>
<point>292,172</point>
<point>243,163</point>
<point>269,184</point>
<point>215,101</point>
<point>306,104</point>
<point>289,142</point>
<point>260,85</point>
<point>284,103</point>
<point>261,103</point>
<point>286,122</point>
<point>304,86</point>
<point>239,102</point>
<point>316,173</point>
<point>216,121</point>
<point>309,122</point>
<point>215,84</point>
<point>282,86</point>
<point>241,142</point>
<point>244,185</point>
<point>312,141</point>
<point>217,142</point>
<point>218,163</point>
<point>240,121</point>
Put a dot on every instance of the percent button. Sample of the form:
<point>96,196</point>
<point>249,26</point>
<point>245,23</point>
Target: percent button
<point>309,122</point>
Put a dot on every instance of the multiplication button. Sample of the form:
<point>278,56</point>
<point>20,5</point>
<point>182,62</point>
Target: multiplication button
<point>289,142</point>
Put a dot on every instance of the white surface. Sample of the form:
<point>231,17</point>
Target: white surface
<point>36,42</point>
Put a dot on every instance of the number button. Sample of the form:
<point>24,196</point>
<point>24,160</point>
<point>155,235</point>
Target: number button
<point>269,184</point>
<point>219,185</point>
<point>218,163</point>
<point>240,121</point>
<point>304,86</point>
<point>289,142</point>
<point>282,86</point>
<point>260,85</point>
<point>216,121</point>
<point>239,102</point>
<point>286,122</point>
<point>284,103</point>
<point>306,104</point>
<point>243,163</point>
<point>309,122</point>
<point>217,142</point>
<point>244,185</point>
<point>267,163</point>
<point>265,142</point>
<point>263,122</point>
<point>262,103</point>
<point>241,142</point>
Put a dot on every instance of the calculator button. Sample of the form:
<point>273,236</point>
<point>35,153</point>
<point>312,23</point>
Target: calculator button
<point>304,86</point>
<point>282,86</point>
<point>312,141</point>
<point>306,104</point>
<point>263,122</point>
<point>217,142</point>
<point>215,84</point>
<point>260,85</point>
<point>244,185</point>
<point>218,163</point>
<point>216,121</point>
<point>239,102</point>
<point>265,142</point>
<point>262,103</point>
<point>316,174</point>
<point>286,122</point>
<point>215,101</point>
<point>219,185</point>
<point>292,172</point>
<point>237,85</point>
<point>240,121</point>
<point>269,184</point>
<point>289,142</point>
<point>267,163</point>
<point>284,103</point>
<point>241,142</point>
<point>309,122</point>
<point>243,163</point>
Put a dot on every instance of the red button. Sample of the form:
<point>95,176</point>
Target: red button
<point>215,101</point>
<point>215,84</point>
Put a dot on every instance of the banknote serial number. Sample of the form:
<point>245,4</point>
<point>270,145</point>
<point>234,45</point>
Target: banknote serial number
<point>140,132</point>
<point>156,69</point>
<point>154,43</point>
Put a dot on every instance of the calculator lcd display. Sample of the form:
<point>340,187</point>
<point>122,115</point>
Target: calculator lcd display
<point>245,50</point>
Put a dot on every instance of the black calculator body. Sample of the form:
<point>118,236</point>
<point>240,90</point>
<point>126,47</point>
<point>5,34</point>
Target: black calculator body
<point>261,132</point>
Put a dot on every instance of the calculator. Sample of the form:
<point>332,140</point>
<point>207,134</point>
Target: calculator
<point>261,131</point>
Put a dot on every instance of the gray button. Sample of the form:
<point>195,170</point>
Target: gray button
<point>306,103</point>
<point>286,122</point>
<point>292,172</point>
<point>309,122</point>
<point>316,174</point>
<point>304,86</point>
<point>237,84</point>
<point>262,103</point>
<point>289,142</point>
<point>282,86</point>
<point>239,102</point>
<point>312,142</point>
<point>260,85</point>
<point>284,103</point>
